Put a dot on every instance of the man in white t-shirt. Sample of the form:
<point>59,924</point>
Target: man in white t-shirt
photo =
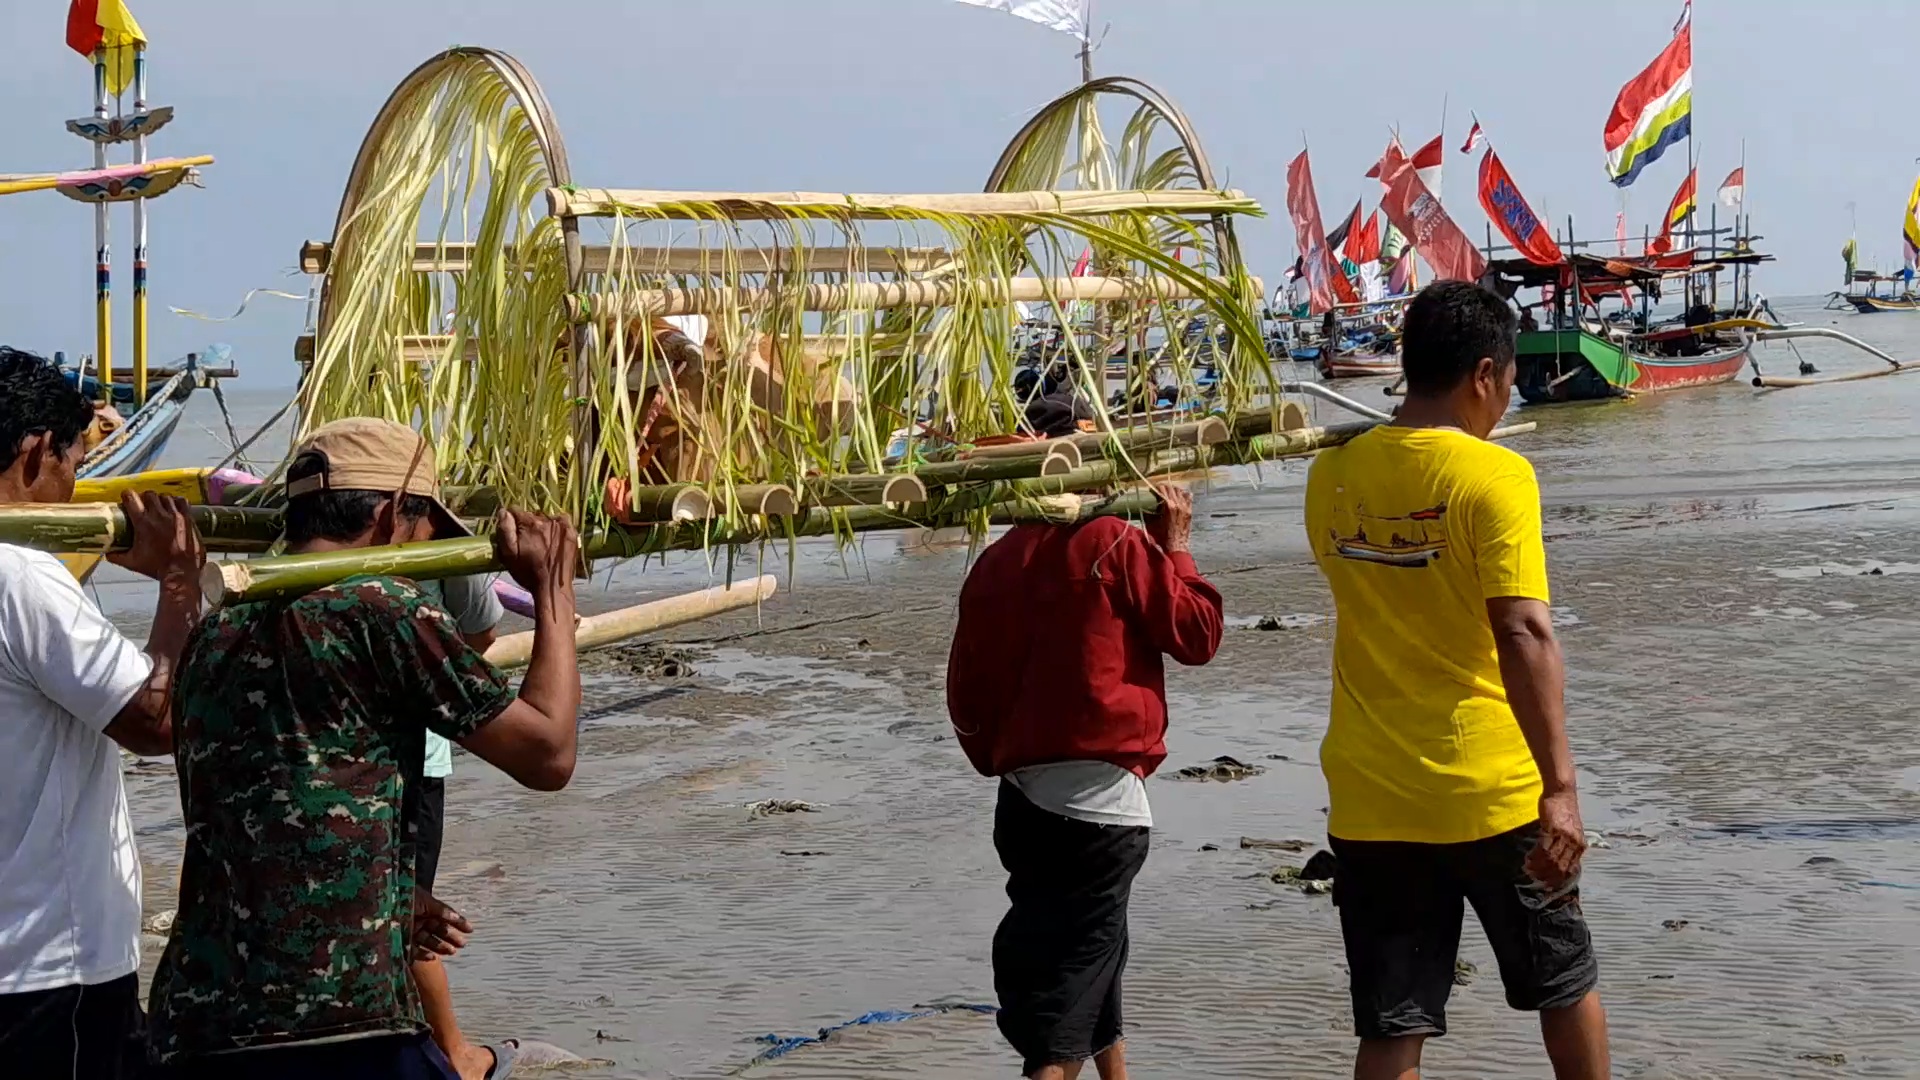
<point>72,692</point>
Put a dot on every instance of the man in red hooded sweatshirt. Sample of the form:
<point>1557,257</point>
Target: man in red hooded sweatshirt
<point>1056,686</point>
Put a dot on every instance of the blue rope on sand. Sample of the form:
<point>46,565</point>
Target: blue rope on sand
<point>779,1046</point>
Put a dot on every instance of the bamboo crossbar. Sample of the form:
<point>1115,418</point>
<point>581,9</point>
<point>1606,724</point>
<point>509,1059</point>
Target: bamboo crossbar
<point>1786,382</point>
<point>316,257</point>
<point>229,581</point>
<point>623,624</point>
<point>414,349</point>
<point>100,528</point>
<point>875,295</point>
<point>765,205</point>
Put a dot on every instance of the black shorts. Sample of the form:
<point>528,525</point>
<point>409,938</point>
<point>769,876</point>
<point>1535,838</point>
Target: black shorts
<point>1059,953</point>
<point>426,808</point>
<point>1401,906</point>
<point>84,1032</point>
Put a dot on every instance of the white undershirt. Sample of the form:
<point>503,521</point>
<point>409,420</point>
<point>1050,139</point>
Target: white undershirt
<point>1096,791</point>
<point>69,877</point>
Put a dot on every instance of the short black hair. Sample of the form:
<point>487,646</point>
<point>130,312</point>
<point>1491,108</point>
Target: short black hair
<point>36,397</point>
<point>338,515</point>
<point>1449,326</point>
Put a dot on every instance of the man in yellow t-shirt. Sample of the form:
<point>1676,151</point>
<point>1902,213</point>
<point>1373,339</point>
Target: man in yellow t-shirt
<point>1446,752</point>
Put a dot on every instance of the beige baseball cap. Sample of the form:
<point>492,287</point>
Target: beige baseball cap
<point>363,453</point>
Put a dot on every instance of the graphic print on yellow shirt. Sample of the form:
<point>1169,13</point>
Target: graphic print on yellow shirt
<point>1415,530</point>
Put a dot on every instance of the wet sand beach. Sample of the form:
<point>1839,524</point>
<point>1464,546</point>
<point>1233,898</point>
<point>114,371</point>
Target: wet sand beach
<point>1737,580</point>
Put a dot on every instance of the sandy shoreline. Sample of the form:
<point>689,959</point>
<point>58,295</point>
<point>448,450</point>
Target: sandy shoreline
<point>1740,719</point>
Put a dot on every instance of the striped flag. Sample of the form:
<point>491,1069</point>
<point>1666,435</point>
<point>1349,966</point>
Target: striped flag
<point>95,25</point>
<point>1066,16</point>
<point>1653,112</point>
<point>1733,190</point>
<point>1678,211</point>
<point>1474,138</point>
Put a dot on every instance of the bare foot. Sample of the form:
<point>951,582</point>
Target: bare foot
<point>473,1062</point>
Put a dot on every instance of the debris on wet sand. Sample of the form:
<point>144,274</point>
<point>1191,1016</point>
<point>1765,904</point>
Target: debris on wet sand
<point>1314,878</point>
<point>641,660</point>
<point>770,807</point>
<point>1221,768</point>
<point>1256,844</point>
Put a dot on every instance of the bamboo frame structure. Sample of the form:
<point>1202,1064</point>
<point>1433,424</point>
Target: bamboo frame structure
<point>827,318</point>
<point>565,202</point>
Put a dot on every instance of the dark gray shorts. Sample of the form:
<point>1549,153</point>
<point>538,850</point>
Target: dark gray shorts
<point>1401,906</point>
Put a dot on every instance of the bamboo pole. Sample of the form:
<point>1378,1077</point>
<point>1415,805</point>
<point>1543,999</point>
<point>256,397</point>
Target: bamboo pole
<point>1787,382</point>
<point>764,500</point>
<point>99,528</point>
<point>975,470</point>
<point>316,257</point>
<point>662,502</point>
<point>705,205</point>
<point>595,631</point>
<point>876,489</point>
<point>1036,448</point>
<point>875,295</point>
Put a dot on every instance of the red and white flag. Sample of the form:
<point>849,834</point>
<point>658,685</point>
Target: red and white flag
<point>1426,161</point>
<point>1733,190</point>
<point>1474,138</point>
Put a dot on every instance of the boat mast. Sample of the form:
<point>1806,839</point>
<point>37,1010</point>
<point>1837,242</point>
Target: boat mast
<point>102,255</point>
<point>1086,42</point>
<point>140,232</point>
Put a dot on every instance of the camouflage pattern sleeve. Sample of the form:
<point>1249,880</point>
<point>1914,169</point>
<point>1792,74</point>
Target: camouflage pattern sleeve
<point>425,665</point>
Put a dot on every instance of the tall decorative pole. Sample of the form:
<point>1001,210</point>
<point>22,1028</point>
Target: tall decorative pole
<point>102,255</point>
<point>140,232</point>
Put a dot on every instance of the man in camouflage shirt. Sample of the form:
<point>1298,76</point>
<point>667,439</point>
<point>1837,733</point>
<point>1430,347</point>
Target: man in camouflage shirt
<point>300,728</point>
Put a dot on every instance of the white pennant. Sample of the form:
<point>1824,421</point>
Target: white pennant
<point>1066,16</point>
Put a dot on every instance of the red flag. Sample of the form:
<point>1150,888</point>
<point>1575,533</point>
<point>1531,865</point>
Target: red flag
<point>1415,211</point>
<point>1510,213</point>
<point>1389,162</point>
<point>1080,267</point>
<point>1326,285</point>
<point>1474,138</point>
<point>1363,244</point>
<point>1338,236</point>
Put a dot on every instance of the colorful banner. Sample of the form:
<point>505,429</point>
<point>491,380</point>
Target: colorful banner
<point>1653,111</point>
<point>1509,212</point>
<point>1415,211</point>
<point>1326,284</point>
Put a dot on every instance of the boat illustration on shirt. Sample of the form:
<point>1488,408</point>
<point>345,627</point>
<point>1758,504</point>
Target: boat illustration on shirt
<point>1414,539</point>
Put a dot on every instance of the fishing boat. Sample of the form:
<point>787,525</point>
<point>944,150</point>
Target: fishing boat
<point>1872,299</point>
<point>1580,355</point>
<point>133,446</point>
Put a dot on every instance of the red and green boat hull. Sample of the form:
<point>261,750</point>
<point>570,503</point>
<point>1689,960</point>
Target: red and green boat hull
<point>1569,365</point>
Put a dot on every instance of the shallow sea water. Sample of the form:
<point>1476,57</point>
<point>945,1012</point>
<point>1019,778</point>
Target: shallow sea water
<point>1741,698</point>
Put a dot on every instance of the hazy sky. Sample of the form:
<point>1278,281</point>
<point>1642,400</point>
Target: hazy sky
<point>921,95</point>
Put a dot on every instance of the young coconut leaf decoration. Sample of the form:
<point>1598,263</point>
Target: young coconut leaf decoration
<point>760,349</point>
